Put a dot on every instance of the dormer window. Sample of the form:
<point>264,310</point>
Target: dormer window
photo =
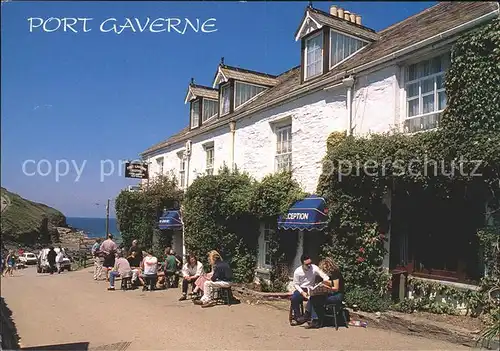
<point>313,56</point>
<point>244,92</point>
<point>195,113</point>
<point>225,99</point>
<point>209,109</point>
<point>343,46</point>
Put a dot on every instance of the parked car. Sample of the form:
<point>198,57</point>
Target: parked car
<point>43,264</point>
<point>28,258</point>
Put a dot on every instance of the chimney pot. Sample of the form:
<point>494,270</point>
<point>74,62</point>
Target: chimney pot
<point>333,10</point>
<point>358,19</point>
<point>346,15</point>
<point>340,12</point>
<point>352,17</point>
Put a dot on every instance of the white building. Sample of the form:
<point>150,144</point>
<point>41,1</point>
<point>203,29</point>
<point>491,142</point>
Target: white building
<point>350,78</point>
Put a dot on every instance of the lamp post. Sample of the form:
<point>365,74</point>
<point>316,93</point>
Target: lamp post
<point>107,216</point>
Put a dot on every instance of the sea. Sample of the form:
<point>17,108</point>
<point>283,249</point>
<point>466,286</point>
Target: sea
<point>94,227</point>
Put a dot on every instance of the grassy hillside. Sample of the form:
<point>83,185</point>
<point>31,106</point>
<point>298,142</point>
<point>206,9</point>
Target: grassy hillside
<point>27,222</point>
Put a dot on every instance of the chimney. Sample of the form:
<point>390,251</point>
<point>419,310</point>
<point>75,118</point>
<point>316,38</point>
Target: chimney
<point>352,17</point>
<point>358,19</point>
<point>340,12</point>
<point>333,10</point>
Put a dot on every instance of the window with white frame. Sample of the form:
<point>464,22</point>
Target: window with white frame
<point>195,113</point>
<point>182,171</point>
<point>244,92</point>
<point>224,100</point>
<point>265,259</point>
<point>159,162</point>
<point>425,93</point>
<point>209,168</point>
<point>313,56</point>
<point>283,158</point>
<point>209,109</point>
<point>342,46</point>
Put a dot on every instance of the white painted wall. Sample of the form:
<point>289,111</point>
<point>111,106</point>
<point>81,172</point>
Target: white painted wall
<point>313,117</point>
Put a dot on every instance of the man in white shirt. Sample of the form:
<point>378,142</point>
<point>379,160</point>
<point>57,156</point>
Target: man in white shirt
<point>303,278</point>
<point>191,271</point>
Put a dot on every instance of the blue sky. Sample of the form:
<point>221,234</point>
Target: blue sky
<point>96,96</point>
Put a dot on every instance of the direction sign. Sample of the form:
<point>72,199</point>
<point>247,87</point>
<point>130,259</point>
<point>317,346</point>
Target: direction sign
<point>136,170</point>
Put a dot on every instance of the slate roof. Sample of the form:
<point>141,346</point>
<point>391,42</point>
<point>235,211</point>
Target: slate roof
<point>246,75</point>
<point>341,24</point>
<point>428,23</point>
<point>201,90</point>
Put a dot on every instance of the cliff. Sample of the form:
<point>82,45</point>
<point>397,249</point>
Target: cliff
<point>25,222</point>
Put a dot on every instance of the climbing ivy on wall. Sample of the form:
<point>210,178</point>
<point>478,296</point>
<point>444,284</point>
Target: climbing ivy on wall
<point>224,212</point>
<point>358,172</point>
<point>137,212</point>
<point>217,216</point>
<point>273,196</point>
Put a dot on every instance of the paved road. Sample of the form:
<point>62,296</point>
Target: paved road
<point>73,308</point>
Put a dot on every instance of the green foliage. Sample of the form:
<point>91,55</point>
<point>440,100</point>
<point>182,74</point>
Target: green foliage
<point>137,212</point>
<point>367,299</point>
<point>27,222</point>
<point>473,83</point>
<point>223,212</point>
<point>359,172</point>
<point>217,216</point>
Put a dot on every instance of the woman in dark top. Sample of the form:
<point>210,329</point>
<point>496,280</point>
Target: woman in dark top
<point>335,284</point>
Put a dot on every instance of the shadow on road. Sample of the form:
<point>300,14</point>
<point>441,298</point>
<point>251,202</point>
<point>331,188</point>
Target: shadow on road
<point>10,338</point>
<point>77,346</point>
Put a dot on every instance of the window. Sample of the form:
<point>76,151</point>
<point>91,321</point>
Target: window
<point>425,93</point>
<point>209,169</point>
<point>182,171</point>
<point>159,162</point>
<point>224,100</point>
<point>245,92</point>
<point>209,109</point>
<point>342,46</point>
<point>313,56</point>
<point>195,113</point>
<point>265,260</point>
<point>283,160</point>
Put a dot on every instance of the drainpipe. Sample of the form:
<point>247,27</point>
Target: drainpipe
<point>349,84</point>
<point>187,153</point>
<point>232,128</point>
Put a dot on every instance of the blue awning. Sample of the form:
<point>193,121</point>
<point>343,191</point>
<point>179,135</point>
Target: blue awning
<point>307,214</point>
<point>170,220</point>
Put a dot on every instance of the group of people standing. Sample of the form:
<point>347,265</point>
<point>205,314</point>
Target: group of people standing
<point>145,269</point>
<point>8,264</point>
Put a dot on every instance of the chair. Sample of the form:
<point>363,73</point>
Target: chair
<point>223,296</point>
<point>333,310</point>
<point>150,281</point>
<point>290,312</point>
<point>126,283</point>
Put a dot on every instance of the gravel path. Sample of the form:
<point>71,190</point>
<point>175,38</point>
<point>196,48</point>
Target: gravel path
<point>73,308</point>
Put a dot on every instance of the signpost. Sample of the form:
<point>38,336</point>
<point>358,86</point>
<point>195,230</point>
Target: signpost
<point>137,170</point>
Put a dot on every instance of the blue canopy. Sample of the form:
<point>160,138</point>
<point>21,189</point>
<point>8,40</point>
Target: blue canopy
<point>170,220</point>
<point>308,214</point>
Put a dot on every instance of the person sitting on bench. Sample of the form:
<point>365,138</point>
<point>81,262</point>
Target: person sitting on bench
<point>149,271</point>
<point>335,283</point>
<point>304,278</point>
<point>191,271</point>
<point>121,269</point>
<point>221,278</point>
